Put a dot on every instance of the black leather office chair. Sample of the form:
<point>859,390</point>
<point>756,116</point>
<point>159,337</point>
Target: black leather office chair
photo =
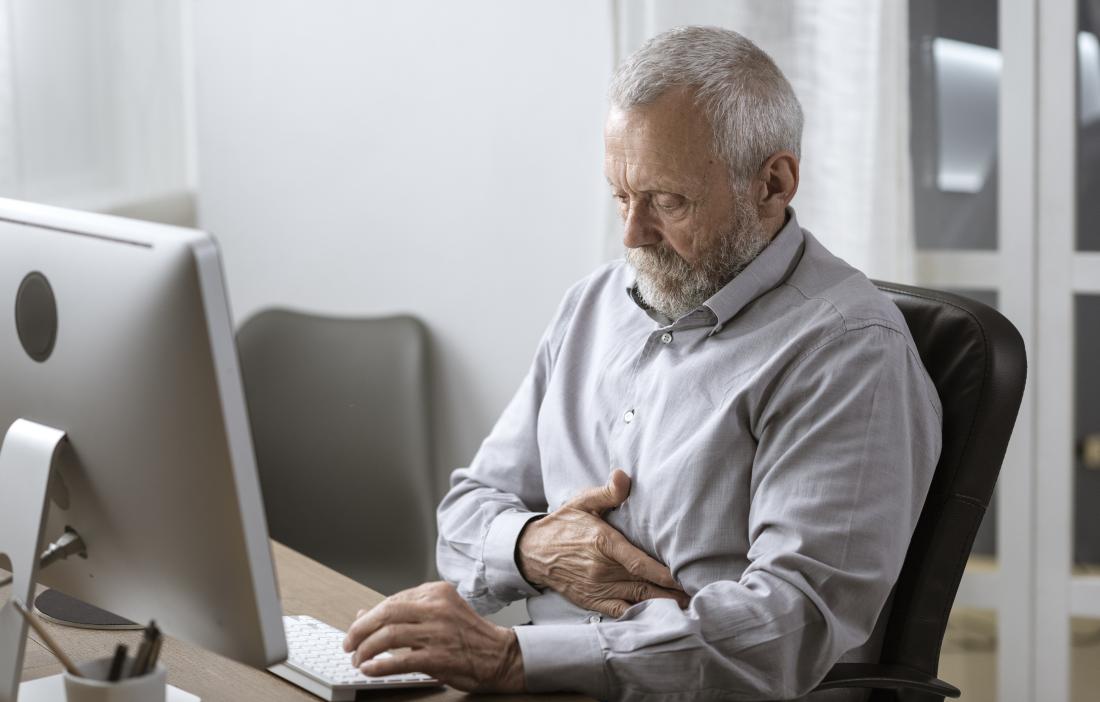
<point>976,359</point>
<point>340,422</point>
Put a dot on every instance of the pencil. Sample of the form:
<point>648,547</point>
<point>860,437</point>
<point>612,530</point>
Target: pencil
<point>116,663</point>
<point>154,653</point>
<point>66,662</point>
<point>141,659</point>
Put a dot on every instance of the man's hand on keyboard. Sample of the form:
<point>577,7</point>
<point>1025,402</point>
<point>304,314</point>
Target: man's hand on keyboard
<point>573,551</point>
<point>446,637</point>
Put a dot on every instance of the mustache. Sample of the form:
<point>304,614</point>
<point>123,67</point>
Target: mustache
<point>673,286</point>
<point>659,259</point>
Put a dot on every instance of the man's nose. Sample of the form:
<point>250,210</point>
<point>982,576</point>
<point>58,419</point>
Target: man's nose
<point>639,228</point>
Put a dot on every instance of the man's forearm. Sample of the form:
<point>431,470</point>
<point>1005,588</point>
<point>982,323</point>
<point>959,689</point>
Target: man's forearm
<point>475,552</point>
<point>760,638</point>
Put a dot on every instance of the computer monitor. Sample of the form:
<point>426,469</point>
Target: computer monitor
<point>118,334</point>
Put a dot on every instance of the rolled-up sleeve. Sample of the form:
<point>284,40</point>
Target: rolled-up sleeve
<point>848,440</point>
<point>488,504</point>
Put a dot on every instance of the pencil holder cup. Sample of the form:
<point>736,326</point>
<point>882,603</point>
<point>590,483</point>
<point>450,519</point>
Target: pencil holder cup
<point>94,686</point>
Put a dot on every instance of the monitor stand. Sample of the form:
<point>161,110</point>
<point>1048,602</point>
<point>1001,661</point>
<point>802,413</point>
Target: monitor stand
<point>57,607</point>
<point>27,457</point>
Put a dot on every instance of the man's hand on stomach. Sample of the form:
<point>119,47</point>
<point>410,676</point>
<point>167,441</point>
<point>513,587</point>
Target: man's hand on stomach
<point>573,551</point>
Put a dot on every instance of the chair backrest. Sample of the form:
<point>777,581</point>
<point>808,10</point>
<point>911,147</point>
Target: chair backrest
<point>976,359</point>
<point>340,421</point>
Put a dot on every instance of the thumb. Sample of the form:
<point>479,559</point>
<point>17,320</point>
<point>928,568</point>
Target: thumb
<point>599,500</point>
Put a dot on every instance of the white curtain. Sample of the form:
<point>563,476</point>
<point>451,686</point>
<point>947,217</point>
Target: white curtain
<point>93,105</point>
<point>848,63</point>
<point>9,172</point>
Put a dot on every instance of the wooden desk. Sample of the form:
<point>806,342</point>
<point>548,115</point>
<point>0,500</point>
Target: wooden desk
<point>306,587</point>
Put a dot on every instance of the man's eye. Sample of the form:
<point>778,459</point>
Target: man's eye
<point>669,202</point>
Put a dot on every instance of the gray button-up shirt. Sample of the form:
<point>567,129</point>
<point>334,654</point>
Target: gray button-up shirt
<point>780,440</point>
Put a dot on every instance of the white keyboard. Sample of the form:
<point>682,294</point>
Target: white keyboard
<point>317,662</point>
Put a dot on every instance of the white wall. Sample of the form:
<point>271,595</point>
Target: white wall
<point>437,158</point>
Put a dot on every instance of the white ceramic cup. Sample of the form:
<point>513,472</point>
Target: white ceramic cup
<point>93,687</point>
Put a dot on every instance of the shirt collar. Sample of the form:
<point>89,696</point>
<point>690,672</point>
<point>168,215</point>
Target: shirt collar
<point>770,268</point>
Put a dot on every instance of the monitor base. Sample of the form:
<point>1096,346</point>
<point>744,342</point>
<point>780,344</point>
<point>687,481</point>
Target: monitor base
<point>59,608</point>
<point>26,464</point>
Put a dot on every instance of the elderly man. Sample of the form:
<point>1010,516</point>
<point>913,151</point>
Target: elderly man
<point>756,411</point>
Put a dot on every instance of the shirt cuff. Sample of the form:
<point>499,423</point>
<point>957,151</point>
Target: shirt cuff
<point>563,657</point>
<point>499,555</point>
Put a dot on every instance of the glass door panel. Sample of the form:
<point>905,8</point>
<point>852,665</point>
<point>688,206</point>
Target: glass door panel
<point>1088,126</point>
<point>955,69</point>
<point>1086,543</point>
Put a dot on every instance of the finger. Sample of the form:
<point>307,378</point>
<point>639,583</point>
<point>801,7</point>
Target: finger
<point>600,499</point>
<point>390,611</point>
<point>415,661</point>
<point>388,637</point>
<point>639,563</point>
<point>611,607</point>
<point>639,591</point>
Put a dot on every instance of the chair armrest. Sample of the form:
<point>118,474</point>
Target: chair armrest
<point>885,677</point>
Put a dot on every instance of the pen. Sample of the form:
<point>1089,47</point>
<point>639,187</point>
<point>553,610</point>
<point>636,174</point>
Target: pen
<point>116,663</point>
<point>141,659</point>
<point>154,654</point>
<point>66,662</point>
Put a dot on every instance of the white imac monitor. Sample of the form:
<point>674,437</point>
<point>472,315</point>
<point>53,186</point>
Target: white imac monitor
<point>119,382</point>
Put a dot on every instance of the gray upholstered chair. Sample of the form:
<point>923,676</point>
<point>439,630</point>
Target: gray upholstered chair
<point>340,422</point>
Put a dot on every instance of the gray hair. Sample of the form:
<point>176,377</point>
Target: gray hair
<point>749,103</point>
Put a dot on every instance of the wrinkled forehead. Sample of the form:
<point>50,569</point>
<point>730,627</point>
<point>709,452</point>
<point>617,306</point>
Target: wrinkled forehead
<point>672,124</point>
<point>668,135</point>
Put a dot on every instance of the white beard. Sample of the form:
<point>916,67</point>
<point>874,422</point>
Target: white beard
<point>674,287</point>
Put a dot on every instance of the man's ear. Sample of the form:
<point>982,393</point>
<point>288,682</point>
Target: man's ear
<point>775,185</point>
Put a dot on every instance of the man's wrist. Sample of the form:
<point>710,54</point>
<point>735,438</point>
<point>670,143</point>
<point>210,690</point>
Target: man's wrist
<point>510,676</point>
<point>525,549</point>
<point>502,573</point>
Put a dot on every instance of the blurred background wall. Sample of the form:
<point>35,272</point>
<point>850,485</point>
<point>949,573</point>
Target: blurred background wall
<point>443,159</point>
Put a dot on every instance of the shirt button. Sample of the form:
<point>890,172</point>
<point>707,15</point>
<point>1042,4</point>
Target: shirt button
<point>666,338</point>
<point>629,416</point>
<point>594,619</point>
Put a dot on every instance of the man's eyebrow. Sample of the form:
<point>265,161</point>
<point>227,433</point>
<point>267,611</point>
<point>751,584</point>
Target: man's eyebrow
<point>662,187</point>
